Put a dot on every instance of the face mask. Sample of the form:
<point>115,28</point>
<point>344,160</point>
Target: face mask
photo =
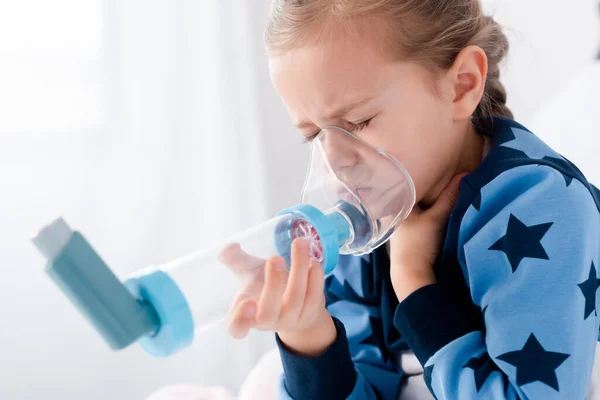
<point>369,186</point>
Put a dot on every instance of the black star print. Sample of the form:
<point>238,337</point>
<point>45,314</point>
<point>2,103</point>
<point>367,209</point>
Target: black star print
<point>588,289</point>
<point>482,368</point>
<point>480,311</point>
<point>376,337</point>
<point>336,291</point>
<point>477,202</point>
<point>522,241</point>
<point>563,165</point>
<point>427,371</point>
<point>534,363</point>
<point>507,135</point>
<point>568,179</point>
<point>596,196</point>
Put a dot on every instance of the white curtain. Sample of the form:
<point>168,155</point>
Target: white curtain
<point>141,123</point>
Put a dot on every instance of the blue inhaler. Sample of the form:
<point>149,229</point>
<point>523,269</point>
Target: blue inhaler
<point>353,198</point>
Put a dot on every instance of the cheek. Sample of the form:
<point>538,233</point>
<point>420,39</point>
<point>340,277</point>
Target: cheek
<point>416,133</point>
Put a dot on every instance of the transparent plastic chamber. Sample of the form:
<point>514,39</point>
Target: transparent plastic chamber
<point>353,198</point>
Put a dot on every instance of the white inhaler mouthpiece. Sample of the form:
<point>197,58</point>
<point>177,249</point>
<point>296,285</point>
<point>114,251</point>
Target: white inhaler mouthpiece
<point>353,198</point>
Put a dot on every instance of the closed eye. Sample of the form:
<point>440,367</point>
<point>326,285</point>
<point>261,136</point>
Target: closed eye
<point>360,125</point>
<point>354,128</point>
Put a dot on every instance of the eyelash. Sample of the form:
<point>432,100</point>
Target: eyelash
<point>360,126</point>
<point>355,128</point>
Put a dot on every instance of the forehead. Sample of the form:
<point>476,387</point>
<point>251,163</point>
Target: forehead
<point>328,76</point>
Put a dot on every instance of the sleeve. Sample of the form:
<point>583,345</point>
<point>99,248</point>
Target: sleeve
<point>529,253</point>
<point>357,365</point>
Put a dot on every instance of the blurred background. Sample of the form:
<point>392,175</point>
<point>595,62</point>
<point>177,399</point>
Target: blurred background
<point>152,127</point>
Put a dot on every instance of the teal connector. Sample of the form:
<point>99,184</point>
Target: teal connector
<point>93,288</point>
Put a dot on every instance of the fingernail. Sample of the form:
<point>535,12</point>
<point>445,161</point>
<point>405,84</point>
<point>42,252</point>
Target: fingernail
<point>249,310</point>
<point>301,244</point>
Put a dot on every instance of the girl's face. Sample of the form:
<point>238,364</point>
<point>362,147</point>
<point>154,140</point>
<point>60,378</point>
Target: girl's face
<point>398,107</point>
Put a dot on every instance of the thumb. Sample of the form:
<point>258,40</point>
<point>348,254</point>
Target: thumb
<point>444,204</point>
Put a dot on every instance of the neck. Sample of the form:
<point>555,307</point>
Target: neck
<point>467,159</point>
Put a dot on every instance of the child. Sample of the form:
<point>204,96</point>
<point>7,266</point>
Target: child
<point>490,282</point>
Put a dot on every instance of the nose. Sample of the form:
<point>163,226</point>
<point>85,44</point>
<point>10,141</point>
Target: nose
<point>341,152</point>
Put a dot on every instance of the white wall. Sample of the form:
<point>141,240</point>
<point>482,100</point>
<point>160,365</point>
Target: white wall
<point>551,42</point>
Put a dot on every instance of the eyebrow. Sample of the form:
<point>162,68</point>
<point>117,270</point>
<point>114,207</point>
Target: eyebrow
<point>341,111</point>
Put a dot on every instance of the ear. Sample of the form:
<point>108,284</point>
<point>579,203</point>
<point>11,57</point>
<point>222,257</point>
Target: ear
<point>468,75</point>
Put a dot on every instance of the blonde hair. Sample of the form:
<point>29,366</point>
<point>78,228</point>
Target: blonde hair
<point>431,32</point>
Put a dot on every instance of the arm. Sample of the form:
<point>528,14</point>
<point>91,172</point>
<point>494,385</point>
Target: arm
<point>529,255</point>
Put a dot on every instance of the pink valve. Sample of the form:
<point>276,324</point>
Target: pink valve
<point>304,230</point>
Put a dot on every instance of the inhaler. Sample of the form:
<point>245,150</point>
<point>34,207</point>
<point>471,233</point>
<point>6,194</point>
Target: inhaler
<point>353,198</point>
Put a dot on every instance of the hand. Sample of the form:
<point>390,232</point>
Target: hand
<point>416,243</point>
<point>249,270</point>
<point>272,299</point>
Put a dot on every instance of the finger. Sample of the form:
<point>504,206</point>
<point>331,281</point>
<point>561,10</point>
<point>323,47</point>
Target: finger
<point>444,204</point>
<point>296,285</point>
<point>243,319</point>
<point>269,304</point>
<point>314,290</point>
<point>231,255</point>
<point>236,300</point>
<point>237,259</point>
